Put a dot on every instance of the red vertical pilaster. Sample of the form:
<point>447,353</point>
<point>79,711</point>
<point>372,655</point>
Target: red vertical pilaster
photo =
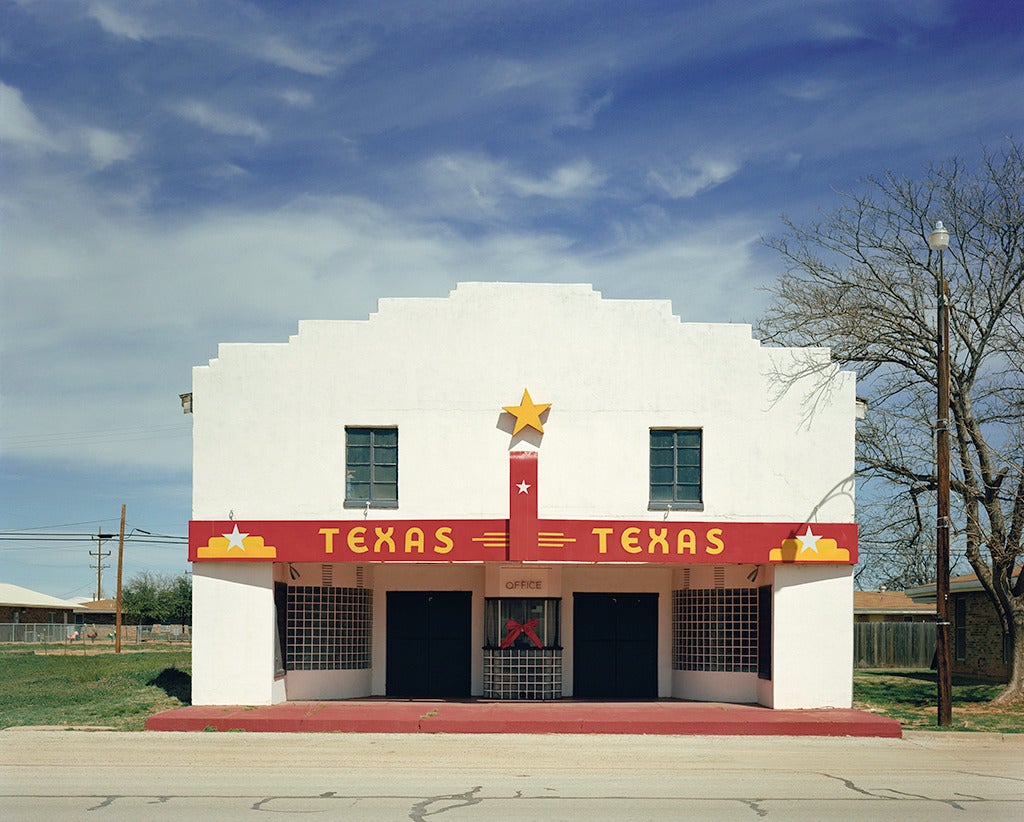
<point>522,505</point>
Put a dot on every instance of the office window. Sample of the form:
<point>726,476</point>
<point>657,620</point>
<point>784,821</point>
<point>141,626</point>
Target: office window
<point>522,623</point>
<point>371,467</point>
<point>676,468</point>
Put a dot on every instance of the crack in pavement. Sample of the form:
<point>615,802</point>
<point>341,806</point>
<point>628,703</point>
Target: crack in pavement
<point>258,805</point>
<point>420,811</point>
<point>106,803</point>
<point>950,802</point>
<point>755,806</point>
<point>853,786</point>
<point>994,776</point>
<point>893,794</point>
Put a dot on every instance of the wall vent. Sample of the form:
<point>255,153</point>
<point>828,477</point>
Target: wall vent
<point>327,576</point>
<point>686,579</point>
<point>359,576</point>
<point>719,577</point>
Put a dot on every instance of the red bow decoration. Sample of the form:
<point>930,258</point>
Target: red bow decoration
<point>516,628</point>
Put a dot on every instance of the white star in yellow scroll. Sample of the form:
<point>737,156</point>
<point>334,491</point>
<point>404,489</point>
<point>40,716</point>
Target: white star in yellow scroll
<point>527,413</point>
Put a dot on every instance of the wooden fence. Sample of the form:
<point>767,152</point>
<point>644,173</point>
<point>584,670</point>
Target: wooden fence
<point>893,644</point>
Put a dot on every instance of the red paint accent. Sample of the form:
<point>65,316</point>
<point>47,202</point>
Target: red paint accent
<point>516,628</point>
<point>522,507</point>
<point>521,538</point>
<point>560,716</point>
<point>661,541</point>
<point>362,540</point>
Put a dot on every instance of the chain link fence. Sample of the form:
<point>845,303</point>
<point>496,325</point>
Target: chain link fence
<point>52,633</point>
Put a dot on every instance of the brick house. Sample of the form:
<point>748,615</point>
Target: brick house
<point>21,605</point>
<point>980,646</point>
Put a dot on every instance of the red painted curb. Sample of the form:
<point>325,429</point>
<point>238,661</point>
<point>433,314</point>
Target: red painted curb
<point>406,717</point>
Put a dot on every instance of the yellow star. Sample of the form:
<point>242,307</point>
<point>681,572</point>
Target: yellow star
<point>527,413</point>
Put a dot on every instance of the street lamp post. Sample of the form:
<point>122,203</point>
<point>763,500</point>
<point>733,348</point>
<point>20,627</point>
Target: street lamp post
<point>938,240</point>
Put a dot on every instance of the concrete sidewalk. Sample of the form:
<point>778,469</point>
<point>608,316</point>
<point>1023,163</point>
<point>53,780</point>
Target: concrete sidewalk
<point>494,717</point>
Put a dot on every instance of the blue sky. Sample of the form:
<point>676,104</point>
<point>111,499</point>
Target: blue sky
<point>175,175</point>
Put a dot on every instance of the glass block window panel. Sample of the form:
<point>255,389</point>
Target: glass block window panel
<point>371,467</point>
<point>675,476</point>
<point>328,628</point>
<point>508,623</point>
<point>526,674</point>
<point>715,630</point>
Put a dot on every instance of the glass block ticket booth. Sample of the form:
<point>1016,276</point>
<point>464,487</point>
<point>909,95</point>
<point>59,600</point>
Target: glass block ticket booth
<point>648,530</point>
<point>523,654</point>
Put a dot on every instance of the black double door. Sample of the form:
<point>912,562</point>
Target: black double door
<point>428,643</point>
<point>615,646</point>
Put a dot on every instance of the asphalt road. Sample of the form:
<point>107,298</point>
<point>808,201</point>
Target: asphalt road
<point>105,776</point>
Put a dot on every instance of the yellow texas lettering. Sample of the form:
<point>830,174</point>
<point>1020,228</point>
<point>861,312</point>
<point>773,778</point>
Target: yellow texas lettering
<point>602,539</point>
<point>356,540</point>
<point>658,539</point>
<point>414,540</point>
<point>328,534</point>
<point>443,535</point>
<point>385,537</point>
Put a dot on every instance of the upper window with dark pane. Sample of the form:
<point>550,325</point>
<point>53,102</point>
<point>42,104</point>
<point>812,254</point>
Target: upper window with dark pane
<point>676,467</point>
<point>371,467</point>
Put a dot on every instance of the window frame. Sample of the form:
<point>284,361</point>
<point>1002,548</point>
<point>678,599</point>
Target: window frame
<point>960,629</point>
<point>373,464</point>
<point>549,630</point>
<point>676,503</point>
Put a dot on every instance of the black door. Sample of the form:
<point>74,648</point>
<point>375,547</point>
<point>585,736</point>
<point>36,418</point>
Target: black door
<point>615,646</point>
<point>428,643</point>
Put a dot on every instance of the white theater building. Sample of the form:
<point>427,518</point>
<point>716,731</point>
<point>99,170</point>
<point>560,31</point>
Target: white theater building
<point>523,492</point>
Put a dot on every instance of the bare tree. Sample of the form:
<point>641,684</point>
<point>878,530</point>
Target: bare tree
<point>862,281</point>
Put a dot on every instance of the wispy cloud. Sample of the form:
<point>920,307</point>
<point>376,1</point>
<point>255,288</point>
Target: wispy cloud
<point>808,89</point>
<point>303,60</point>
<point>583,116</point>
<point>230,26</point>
<point>219,121</point>
<point>106,147</point>
<point>296,97</point>
<point>469,185</point>
<point>117,22</point>
<point>22,130</point>
<point>699,175</point>
<point>19,126</point>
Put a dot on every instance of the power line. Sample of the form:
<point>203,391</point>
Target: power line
<point>23,537</point>
<point>25,441</point>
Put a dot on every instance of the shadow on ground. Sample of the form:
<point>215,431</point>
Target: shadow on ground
<point>175,683</point>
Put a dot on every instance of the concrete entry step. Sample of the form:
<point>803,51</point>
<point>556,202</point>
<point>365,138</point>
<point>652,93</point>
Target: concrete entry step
<point>473,716</point>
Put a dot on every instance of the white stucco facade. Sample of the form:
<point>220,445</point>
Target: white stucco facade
<point>777,428</point>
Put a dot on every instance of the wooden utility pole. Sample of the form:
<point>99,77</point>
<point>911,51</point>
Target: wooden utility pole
<point>942,662</point>
<point>938,241</point>
<point>120,564</point>
<point>100,556</point>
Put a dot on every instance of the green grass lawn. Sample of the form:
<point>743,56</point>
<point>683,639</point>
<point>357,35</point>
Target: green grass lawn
<point>96,689</point>
<point>910,697</point>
